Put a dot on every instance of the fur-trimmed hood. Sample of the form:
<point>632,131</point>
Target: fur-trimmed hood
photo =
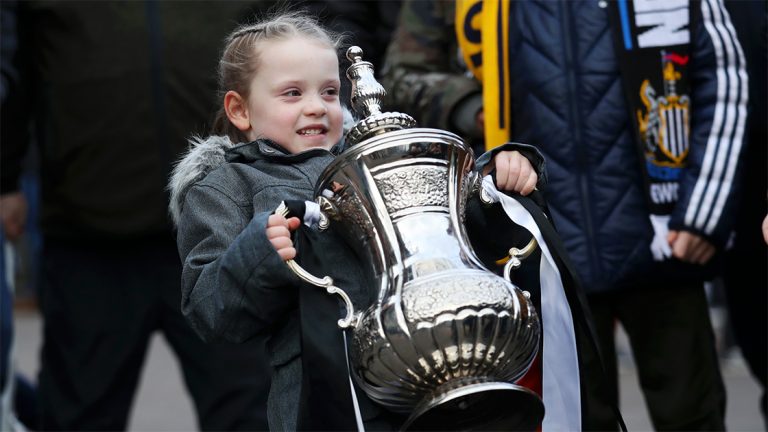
<point>204,155</point>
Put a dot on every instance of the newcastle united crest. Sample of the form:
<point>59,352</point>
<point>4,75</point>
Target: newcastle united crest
<point>664,126</point>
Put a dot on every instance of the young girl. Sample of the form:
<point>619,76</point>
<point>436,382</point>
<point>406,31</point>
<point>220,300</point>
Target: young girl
<point>280,125</point>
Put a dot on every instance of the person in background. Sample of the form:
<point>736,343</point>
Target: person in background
<point>746,259</point>
<point>17,395</point>
<point>112,90</point>
<point>639,112</point>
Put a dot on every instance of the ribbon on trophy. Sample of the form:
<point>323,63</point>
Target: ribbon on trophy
<point>652,46</point>
<point>561,389</point>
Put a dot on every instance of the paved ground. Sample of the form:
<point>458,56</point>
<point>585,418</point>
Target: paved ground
<point>162,404</point>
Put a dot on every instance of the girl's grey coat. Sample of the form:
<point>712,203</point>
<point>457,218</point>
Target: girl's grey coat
<point>234,284</point>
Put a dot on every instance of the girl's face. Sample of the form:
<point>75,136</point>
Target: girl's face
<point>294,96</point>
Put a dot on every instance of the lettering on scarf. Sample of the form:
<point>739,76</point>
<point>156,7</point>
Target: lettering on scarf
<point>668,21</point>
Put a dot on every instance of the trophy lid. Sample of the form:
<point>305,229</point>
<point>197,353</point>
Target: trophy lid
<point>366,98</point>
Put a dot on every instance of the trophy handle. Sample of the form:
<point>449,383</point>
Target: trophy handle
<point>352,317</point>
<point>516,256</point>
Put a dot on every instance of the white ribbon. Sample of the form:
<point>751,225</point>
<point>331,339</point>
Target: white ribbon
<point>355,403</point>
<point>560,363</point>
<point>311,213</point>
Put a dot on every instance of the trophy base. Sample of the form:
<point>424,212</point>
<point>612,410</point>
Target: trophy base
<point>478,407</point>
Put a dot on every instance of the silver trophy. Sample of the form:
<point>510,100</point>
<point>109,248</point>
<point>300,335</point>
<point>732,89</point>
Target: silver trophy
<point>447,338</point>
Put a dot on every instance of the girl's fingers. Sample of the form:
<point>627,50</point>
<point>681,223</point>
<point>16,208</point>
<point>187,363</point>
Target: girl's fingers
<point>502,170</point>
<point>530,184</point>
<point>284,247</point>
<point>515,173</point>
<point>276,220</point>
<point>279,234</point>
<point>281,242</point>
<point>287,253</point>
<point>522,178</point>
<point>278,231</point>
<point>293,223</point>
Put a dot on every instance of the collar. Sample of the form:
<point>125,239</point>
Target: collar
<point>264,149</point>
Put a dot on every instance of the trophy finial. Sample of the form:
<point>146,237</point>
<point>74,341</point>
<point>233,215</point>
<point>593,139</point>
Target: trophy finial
<point>355,54</point>
<point>366,91</point>
<point>366,98</point>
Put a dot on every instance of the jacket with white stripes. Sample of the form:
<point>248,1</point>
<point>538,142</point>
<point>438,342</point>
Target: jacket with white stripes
<point>567,96</point>
<point>567,99</point>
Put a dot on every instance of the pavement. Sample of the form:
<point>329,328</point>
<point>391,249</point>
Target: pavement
<point>162,403</point>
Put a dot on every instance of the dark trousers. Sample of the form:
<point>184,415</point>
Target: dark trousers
<point>101,302</point>
<point>673,345</point>
<point>745,282</point>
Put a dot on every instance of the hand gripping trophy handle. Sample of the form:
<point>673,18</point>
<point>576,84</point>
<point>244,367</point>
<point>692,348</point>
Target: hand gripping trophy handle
<point>351,318</point>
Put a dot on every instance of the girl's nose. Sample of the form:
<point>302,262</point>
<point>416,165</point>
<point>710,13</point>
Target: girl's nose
<point>315,106</point>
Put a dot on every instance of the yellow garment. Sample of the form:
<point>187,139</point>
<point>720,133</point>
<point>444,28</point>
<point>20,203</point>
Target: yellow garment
<point>487,57</point>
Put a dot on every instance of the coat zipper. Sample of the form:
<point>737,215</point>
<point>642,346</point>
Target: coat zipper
<point>575,122</point>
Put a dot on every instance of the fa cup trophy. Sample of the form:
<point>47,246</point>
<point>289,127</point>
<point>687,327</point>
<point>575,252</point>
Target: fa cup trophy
<point>447,338</point>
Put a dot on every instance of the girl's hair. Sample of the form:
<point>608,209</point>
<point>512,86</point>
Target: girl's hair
<point>240,59</point>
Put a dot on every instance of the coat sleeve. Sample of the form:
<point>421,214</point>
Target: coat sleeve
<point>234,284</point>
<point>421,74</point>
<point>718,115</point>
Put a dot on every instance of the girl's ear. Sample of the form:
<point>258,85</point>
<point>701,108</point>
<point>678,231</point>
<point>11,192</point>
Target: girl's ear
<point>237,110</point>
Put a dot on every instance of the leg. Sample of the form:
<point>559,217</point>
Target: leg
<point>747,300</point>
<point>229,383</point>
<point>746,310</point>
<point>95,334</point>
<point>674,347</point>
<point>600,401</point>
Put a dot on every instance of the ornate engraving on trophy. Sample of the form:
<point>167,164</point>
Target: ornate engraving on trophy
<point>409,187</point>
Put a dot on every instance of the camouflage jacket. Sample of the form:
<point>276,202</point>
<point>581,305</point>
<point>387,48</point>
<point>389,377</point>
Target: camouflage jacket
<point>424,74</point>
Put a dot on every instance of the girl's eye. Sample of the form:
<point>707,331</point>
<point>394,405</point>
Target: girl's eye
<point>331,91</point>
<point>292,93</point>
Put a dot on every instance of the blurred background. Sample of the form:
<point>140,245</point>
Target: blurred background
<point>116,197</point>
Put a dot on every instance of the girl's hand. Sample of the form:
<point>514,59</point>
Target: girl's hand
<point>514,172</point>
<point>279,234</point>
